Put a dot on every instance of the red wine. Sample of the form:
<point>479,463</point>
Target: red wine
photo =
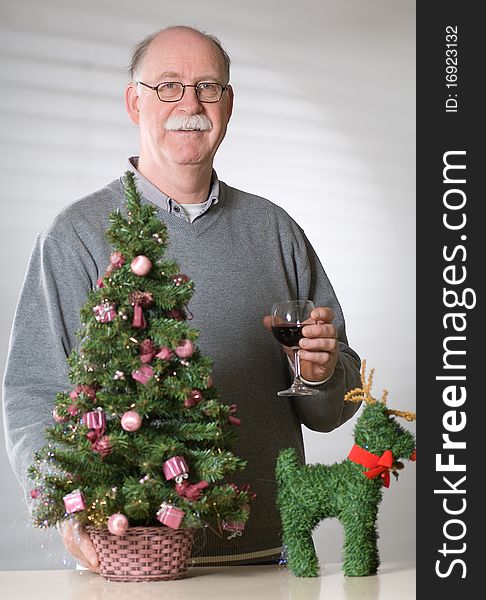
<point>288,334</point>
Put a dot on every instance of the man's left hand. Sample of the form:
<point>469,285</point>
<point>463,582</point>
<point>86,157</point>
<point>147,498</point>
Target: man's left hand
<point>319,348</point>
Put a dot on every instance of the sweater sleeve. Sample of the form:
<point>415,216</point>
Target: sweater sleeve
<point>327,410</point>
<point>43,334</point>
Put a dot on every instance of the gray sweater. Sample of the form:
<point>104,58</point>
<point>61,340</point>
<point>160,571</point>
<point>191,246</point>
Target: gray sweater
<point>243,254</point>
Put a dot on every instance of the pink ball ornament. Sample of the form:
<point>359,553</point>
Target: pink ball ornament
<point>141,265</point>
<point>117,524</point>
<point>185,349</point>
<point>131,420</point>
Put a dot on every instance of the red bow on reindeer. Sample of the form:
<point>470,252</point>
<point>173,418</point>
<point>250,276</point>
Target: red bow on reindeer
<point>376,465</point>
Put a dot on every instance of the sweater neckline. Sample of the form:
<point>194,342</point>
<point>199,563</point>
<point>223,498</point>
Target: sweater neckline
<point>201,224</point>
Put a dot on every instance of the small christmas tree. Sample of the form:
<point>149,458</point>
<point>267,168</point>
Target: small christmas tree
<point>142,439</point>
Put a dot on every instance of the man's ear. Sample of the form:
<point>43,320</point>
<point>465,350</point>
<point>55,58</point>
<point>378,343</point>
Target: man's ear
<point>131,102</point>
<point>230,100</point>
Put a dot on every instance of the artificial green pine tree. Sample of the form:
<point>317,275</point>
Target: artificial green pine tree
<point>142,435</point>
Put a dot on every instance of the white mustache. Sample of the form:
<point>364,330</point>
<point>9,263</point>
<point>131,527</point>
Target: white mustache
<point>184,122</point>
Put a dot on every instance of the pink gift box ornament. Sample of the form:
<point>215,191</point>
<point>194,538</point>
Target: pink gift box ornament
<point>96,419</point>
<point>236,528</point>
<point>233,526</point>
<point>104,313</point>
<point>143,374</point>
<point>74,502</point>
<point>170,515</point>
<point>164,353</point>
<point>175,467</point>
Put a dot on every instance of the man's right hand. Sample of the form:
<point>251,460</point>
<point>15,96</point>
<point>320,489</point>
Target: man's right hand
<point>79,544</point>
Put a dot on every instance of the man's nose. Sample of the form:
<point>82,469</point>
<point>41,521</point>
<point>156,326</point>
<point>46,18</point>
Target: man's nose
<point>189,101</point>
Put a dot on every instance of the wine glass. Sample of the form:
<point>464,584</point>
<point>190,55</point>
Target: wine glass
<point>288,318</point>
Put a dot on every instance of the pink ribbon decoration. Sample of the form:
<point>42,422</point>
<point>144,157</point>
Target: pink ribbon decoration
<point>191,491</point>
<point>231,418</point>
<point>102,445</point>
<point>138,318</point>
<point>93,436</point>
<point>140,300</point>
<point>96,421</point>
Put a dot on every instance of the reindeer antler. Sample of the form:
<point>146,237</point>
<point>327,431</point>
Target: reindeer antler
<point>406,414</point>
<point>363,394</point>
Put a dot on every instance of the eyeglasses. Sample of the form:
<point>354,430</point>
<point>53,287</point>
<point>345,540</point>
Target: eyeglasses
<point>172,91</point>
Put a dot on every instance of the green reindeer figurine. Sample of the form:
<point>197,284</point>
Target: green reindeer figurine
<point>350,490</point>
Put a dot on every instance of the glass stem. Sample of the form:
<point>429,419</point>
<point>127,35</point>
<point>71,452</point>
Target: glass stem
<point>296,363</point>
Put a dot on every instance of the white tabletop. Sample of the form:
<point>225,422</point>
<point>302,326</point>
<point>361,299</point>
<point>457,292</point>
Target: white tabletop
<point>395,581</point>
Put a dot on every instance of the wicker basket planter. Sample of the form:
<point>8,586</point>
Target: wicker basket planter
<point>143,553</point>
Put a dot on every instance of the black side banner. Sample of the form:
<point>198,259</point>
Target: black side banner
<point>450,292</point>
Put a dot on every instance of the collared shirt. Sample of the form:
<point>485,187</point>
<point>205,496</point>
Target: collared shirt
<point>152,193</point>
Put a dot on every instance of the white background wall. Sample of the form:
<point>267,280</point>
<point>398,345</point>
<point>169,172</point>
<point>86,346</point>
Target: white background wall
<point>324,125</point>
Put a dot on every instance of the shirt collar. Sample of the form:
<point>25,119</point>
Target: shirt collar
<point>152,193</point>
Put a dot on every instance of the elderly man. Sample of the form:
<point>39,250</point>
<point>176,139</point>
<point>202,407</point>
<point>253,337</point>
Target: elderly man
<point>243,253</point>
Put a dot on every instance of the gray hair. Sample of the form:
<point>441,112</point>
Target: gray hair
<point>140,50</point>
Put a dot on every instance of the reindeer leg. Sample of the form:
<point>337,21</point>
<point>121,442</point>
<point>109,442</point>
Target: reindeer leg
<point>297,522</point>
<point>302,558</point>
<point>361,556</point>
